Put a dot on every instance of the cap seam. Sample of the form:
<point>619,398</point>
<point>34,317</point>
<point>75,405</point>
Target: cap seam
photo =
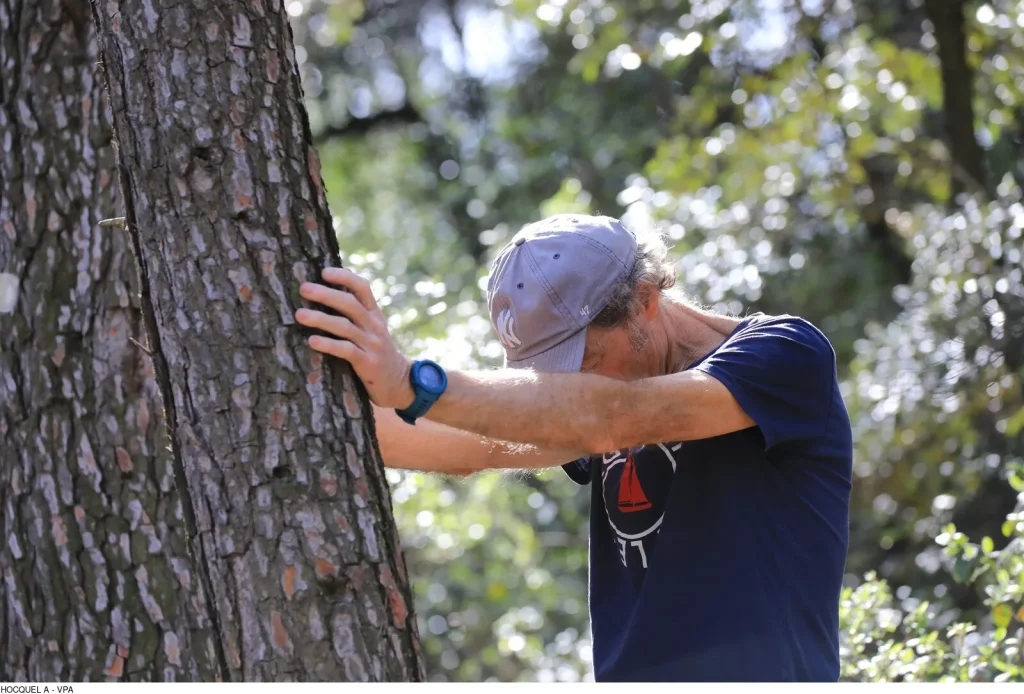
<point>607,251</point>
<point>611,254</point>
<point>555,299</point>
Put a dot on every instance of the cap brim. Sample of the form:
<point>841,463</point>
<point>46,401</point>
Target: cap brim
<point>565,357</point>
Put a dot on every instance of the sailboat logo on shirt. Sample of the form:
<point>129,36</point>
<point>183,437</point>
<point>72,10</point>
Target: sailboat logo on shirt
<point>635,486</point>
<point>631,494</point>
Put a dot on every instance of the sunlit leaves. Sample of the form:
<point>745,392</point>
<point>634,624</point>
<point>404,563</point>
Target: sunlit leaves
<point>905,640</point>
<point>1001,616</point>
<point>570,198</point>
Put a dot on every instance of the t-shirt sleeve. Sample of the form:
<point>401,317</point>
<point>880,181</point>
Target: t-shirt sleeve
<point>782,373</point>
<point>578,470</point>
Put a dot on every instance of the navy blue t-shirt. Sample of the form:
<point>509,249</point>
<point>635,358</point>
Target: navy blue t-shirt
<point>722,559</point>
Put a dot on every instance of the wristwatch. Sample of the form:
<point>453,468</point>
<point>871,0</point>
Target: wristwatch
<point>428,381</point>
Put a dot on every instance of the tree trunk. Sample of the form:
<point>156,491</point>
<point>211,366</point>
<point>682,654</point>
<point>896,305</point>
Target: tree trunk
<point>96,579</point>
<point>967,160</point>
<point>284,491</point>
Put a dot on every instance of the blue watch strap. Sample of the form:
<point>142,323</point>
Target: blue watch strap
<point>426,390</point>
<point>418,408</point>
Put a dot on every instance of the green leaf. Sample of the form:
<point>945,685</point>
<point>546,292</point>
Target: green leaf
<point>962,570</point>
<point>1016,482</point>
<point>987,545</point>
<point>1008,527</point>
<point>1015,423</point>
<point>1001,615</point>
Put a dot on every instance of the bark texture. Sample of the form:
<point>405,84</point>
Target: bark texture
<point>285,496</point>
<point>96,578</point>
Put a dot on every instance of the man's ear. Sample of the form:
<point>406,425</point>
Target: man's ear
<point>651,298</point>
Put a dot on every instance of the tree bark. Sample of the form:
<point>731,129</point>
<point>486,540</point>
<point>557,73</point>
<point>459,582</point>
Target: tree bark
<point>96,579</point>
<point>284,492</point>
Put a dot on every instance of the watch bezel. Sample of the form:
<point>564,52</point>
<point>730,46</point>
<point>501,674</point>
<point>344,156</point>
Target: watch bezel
<point>435,389</point>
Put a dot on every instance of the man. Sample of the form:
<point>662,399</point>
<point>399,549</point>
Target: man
<point>718,449</point>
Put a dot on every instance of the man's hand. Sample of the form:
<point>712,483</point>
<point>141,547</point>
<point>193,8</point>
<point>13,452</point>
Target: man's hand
<point>363,337</point>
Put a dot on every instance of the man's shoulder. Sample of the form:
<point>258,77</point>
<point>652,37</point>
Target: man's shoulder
<point>783,320</point>
<point>770,349</point>
<point>762,326</point>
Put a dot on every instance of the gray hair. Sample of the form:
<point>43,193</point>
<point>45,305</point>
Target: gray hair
<point>627,299</point>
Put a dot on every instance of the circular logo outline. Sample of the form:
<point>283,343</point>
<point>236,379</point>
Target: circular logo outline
<point>620,460</point>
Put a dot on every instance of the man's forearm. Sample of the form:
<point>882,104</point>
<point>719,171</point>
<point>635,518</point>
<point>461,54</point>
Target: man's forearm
<point>562,411</point>
<point>587,412</point>
<point>433,447</point>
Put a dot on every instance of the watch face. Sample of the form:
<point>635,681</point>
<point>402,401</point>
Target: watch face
<point>430,377</point>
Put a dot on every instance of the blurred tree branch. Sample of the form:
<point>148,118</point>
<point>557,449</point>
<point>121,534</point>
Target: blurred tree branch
<point>358,127</point>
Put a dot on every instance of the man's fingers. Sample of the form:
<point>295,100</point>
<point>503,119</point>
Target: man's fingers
<point>342,302</point>
<point>338,326</point>
<point>359,286</point>
<point>342,349</point>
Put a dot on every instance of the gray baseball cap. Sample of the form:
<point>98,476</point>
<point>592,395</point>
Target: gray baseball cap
<point>549,282</point>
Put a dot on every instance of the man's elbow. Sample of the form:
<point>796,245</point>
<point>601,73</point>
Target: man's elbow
<point>598,440</point>
<point>594,444</point>
<point>608,436</point>
<point>604,428</point>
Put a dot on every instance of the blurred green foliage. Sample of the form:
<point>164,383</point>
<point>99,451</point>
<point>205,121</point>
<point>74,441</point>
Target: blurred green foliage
<point>844,161</point>
<point>916,641</point>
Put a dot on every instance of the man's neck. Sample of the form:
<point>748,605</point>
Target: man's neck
<point>691,333</point>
